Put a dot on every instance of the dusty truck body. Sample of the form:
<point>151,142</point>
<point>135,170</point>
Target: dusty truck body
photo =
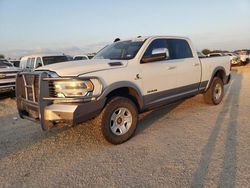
<point>122,80</point>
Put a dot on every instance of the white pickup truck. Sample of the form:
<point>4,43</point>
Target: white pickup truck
<point>123,79</point>
<point>7,76</point>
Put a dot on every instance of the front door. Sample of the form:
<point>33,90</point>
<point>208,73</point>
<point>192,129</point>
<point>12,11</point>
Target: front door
<point>173,78</point>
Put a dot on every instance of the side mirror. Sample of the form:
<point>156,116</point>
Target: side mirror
<point>158,54</point>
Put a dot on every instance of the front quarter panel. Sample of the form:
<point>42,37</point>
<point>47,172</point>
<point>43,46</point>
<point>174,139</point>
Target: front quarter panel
<point>112,79</point>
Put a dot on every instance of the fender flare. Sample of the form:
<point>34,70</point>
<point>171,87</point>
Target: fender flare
<point>123,84</point>
<point>219,68</point>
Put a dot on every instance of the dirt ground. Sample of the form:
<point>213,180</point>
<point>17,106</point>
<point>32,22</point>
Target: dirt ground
<point>189,144</point>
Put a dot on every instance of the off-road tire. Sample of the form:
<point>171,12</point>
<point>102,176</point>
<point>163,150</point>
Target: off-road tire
<point>210,94</point>
<point>104,118</point>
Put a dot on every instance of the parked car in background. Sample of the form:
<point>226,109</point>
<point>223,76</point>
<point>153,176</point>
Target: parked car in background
<point>201,55</point>
<point>234,58</point>
<point>7,76</point>
<point>232,55</point>
<point>244,56</point>
<point>215,54</point>
<point>23,62</point>
<point>16,63</point>
<point>122,80</point>
<point>84,57</point>
<point>90,56</point>
<point>31,62</point>
<point>70,58</point>
<point>80,57</point>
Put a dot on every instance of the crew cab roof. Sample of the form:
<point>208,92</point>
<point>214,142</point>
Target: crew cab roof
<point>142,38</point>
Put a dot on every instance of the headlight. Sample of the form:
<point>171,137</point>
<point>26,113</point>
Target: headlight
<point>77,88</point>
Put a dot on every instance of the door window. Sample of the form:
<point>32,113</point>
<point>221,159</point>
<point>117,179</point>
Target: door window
<point>179,49</point>
<point>157,43</point>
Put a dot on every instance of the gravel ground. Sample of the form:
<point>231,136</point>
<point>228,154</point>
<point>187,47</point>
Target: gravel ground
<point>189,144</point>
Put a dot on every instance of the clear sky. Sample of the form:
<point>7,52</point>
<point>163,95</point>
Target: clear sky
<point>85,25</point>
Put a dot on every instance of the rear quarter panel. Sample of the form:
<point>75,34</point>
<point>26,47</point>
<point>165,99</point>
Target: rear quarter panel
<point>211,64</point>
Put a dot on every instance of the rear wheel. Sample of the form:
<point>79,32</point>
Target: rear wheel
<point>118,120</point>
<point>215,93</point>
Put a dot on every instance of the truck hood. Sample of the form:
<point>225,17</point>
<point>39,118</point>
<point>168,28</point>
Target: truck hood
<point>75,68</point>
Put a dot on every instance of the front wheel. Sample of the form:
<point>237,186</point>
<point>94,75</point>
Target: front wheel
<point>118,120</point>
<point>215,93</point>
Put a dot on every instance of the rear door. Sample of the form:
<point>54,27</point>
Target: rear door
<point>187,66</point>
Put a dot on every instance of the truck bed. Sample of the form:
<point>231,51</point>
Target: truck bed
<point>209,65</point>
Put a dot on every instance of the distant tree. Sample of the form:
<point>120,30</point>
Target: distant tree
<point>206,51</point>
<point>1,56</point>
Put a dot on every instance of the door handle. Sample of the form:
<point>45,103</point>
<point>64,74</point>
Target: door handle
<point>196,64</point>
<point>171,67</point>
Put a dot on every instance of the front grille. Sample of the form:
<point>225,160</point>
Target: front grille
<point>7,75</point>
<point>52,92</point>
<point>8,72</point>
<point>7,84</point>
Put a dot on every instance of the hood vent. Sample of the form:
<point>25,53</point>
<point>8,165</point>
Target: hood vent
<point>112,64</point>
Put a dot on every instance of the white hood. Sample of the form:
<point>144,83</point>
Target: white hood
<point>75,68</point>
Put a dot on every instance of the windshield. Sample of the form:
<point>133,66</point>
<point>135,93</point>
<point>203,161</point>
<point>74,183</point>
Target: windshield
<point>54,59</point>
<point>5,63</point>
<point>123,50</point>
